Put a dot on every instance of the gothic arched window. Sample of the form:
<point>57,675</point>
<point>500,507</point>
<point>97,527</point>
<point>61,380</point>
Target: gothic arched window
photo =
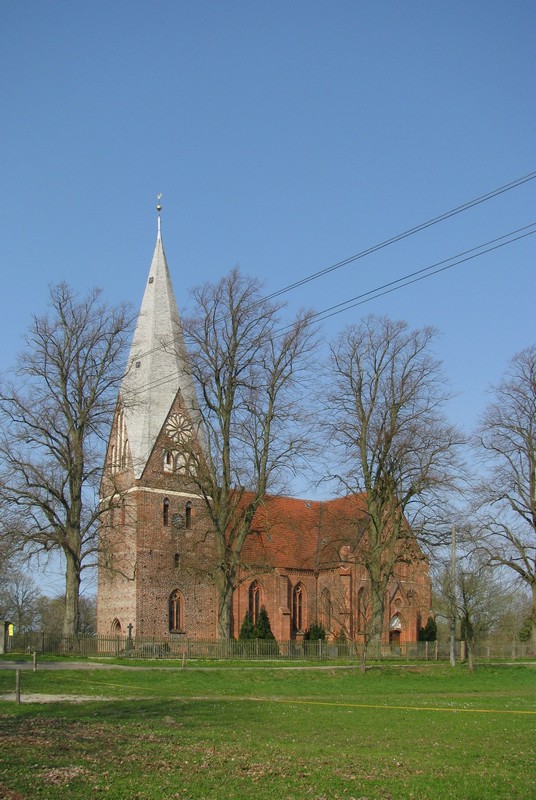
<point>361,610</point>
<point>176,612</point>
<point>165,511</point>
<point>188,515</point>
<point>168,461</point>
<point>298,607</point>
<point>254,601</point>
<point>325,606</point>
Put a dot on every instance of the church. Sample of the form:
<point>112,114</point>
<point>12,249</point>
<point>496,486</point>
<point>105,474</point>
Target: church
<point>301,560</point>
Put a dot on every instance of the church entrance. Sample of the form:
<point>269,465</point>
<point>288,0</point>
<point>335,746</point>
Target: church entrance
<point>395,627</point>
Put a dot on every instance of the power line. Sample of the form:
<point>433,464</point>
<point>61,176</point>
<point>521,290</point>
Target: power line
<point>405,234</point>
<point>392,286</point>
<point>387,242</point>
<point>415,277</point>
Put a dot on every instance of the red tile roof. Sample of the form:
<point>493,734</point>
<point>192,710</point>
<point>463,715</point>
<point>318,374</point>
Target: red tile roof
<point>291,533</point>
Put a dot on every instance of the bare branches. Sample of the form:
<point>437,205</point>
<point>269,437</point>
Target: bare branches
<point>385,413</point>
<point>506,498</point>
<point>54,420</point>
<point>249,374</point>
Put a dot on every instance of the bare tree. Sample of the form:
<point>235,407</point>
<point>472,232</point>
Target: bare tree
<point>385,411</point>
<point>19,600</point>
<point>53,422</point>
<point>478,590</point>
<point>506,498</point>
<point>250,375</point>
<point>51,614</point>
<point>472,598</point>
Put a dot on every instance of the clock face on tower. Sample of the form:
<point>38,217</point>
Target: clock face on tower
<point>179,428</point>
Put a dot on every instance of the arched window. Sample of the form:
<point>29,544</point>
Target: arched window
<point>254,601</point>
<point>298,607</point>
<point>176,612</point>
<point>325,609</point>
<point>165,511</point>
<point>361,610</point>
<point>124,454</point>
<point>116,627</point>
<point>168,461</point>
<point>188,515</point>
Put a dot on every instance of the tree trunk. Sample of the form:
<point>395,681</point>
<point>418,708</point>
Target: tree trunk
<point>533,618</point>
<point>225,588</point>
<point>470,655</point>
<point>373,637</point>
<point>72,592</point>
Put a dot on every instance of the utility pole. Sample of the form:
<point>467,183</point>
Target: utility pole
<point>453,600</point>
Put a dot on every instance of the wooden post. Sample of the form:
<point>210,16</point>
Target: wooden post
<point>183,660</point>
<point>35,660</point>
<point>17,686</point>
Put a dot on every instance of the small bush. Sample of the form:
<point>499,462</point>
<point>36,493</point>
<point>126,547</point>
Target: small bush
<point>262,628</point>
<point>429,632</point>
<point>316,633</point>
<point>525,631</point>
<point>247,631</point>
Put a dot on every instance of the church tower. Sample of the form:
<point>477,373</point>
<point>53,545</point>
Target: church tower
<point>147,575</point>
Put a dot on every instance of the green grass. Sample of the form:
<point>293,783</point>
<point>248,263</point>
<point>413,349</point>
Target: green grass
<point>396,732</point>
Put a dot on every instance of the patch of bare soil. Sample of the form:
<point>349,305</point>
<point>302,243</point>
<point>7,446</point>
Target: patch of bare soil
<point>53,698</point>
<point>7,794</point>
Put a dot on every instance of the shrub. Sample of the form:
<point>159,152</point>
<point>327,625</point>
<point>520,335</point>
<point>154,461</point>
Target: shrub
<point>247,631</point>
<point>315,633</point>
<point>429,632</point>
<point>262,629</point>
<point>525,631</point>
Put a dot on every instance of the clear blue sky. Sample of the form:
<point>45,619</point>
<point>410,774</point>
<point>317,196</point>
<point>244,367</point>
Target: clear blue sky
<point>284,136</point>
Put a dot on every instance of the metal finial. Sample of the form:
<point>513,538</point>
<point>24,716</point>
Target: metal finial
<point>159,209</point>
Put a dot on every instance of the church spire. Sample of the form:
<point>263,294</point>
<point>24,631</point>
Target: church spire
<point>158,363</point>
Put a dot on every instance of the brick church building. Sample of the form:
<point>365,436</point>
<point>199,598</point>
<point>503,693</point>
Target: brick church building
<point>301,562</point>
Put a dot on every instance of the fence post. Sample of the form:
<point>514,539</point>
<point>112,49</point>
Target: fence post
<point>17,686</point>
<point>35,660</point>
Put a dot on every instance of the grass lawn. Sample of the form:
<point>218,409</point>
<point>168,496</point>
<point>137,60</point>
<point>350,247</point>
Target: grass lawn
<point>317,734</point>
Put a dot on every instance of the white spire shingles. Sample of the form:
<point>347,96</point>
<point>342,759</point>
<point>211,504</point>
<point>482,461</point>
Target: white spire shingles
<point>158,364</point>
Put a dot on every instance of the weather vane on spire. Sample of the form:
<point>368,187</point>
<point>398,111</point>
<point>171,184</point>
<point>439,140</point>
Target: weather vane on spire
<point>159,209</point>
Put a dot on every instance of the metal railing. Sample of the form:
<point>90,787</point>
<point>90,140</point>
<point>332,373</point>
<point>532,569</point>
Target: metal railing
<point>91,646</point>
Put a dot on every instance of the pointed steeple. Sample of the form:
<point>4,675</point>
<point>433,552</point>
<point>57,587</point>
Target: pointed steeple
<point>158,364</point>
